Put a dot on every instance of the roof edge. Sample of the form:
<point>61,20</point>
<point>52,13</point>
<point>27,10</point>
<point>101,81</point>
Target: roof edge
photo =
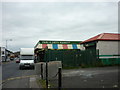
<point>99,38</point>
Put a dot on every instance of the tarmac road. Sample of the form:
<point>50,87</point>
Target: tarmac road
<point>12,77</point>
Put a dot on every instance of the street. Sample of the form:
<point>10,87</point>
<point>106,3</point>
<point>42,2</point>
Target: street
<point>97,77</point>
<point>12,77</point>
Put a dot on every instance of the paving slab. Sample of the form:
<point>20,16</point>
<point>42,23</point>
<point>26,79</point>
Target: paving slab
<point>33,82</point>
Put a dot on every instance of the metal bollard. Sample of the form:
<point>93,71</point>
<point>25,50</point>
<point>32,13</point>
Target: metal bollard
<point>41,71</point>
<point>46,74</point>
<point>59,78</point>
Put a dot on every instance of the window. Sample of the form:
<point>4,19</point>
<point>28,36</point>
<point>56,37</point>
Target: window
<point>27,57</point>
<point>3,52</point>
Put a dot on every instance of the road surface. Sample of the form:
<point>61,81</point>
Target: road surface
<point>12,77</point>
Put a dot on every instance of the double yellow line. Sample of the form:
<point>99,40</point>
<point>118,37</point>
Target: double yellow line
<point>3,81</point>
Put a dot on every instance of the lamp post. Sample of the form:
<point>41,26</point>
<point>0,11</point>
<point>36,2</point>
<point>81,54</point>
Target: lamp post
<point>7,41</point>
<point>6,47</point>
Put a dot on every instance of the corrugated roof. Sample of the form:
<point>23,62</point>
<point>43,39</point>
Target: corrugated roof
<point>104,36</point>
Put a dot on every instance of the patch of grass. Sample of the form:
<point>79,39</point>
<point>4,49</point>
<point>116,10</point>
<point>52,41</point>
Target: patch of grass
<point>97,64</point>
<point>42,83</point>
<point>51,85</point>
<point>70,67</point>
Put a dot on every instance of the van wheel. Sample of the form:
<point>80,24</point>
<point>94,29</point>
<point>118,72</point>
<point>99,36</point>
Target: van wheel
<point>20,68</point>
<point>33,67</point>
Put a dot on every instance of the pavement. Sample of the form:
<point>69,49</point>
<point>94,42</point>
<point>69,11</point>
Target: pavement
<point>33,82</point>
<point>99,77</point>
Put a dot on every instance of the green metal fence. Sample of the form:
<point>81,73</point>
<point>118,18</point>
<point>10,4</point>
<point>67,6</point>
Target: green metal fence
<point>72,58</point>
<point>110,59</point>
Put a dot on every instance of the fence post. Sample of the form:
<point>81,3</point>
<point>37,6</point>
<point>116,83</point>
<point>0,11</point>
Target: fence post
<point>42,71</point>
<point>59,78</point>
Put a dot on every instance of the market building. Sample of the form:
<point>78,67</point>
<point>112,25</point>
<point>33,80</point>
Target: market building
<point>55,45</point>
<point>59,45</point>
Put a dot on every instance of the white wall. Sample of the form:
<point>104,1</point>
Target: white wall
<point>108,47</point>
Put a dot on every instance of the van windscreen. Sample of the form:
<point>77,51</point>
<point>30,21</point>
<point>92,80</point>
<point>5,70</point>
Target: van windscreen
<point>27,57</point>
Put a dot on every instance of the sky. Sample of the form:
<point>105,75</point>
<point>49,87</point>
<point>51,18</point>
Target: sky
<point>28,22</point>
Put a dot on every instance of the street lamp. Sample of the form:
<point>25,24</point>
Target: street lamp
<point>7,41</point>
<point>6,48</point>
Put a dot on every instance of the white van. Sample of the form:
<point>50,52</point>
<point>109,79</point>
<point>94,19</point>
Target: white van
<point>26,58</point>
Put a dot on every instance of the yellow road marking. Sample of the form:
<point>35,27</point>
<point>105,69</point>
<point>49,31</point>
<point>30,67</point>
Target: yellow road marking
<point>6,62</point>
<point>3,81</point>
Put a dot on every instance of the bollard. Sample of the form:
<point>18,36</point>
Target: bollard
<point>46,74</point>
<point>41,71</point>
<point>46,49</point>
<point>59,78</point>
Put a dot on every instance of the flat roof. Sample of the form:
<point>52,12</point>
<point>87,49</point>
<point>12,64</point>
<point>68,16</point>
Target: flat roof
<point>58,44</point>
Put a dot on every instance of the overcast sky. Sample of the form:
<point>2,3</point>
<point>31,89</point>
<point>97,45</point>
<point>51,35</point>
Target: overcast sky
<point>28,22</point>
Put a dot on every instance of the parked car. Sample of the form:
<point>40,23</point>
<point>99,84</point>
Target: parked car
<point>11,58</point>
<point>17,60</point>
<point>8,59</point>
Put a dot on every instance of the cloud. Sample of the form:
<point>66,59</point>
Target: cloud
<point>27,23</point>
